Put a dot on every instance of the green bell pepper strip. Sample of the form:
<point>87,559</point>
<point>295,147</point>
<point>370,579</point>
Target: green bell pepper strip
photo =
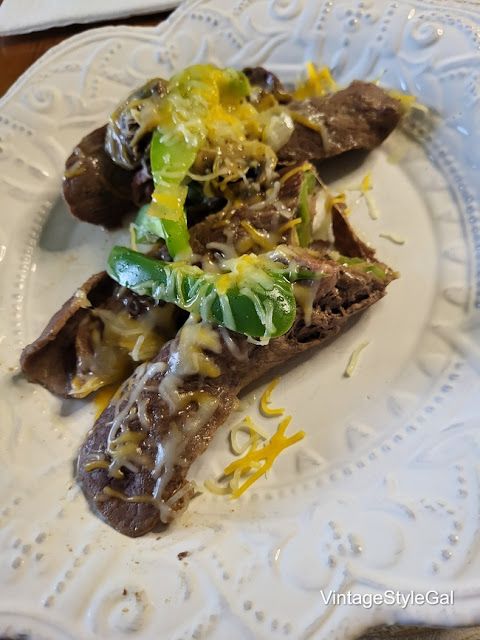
<point>304,229</point>
<point>256,298</point>
<point>173,151</point>
<point>375,269</point>
<point>165,217</point>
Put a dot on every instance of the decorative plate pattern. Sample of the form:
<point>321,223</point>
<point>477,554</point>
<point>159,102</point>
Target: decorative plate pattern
<point>384,491</point>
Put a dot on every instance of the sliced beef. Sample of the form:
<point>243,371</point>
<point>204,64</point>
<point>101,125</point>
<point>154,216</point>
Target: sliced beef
<point>99,191</point>
<point>238,225</point>
<point>358,117</point>
<point>267,83</point>
<point>77,344</point>
<point>51,359</point>
<point>94,187</point>
<point>125,139</point>
<point>154,486</point>
<point>346,240</point>
<point>64,350</point>
<point>108,174</point>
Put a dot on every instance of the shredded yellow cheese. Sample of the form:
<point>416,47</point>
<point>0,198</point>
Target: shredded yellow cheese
<point>371,205</point>
<point>254,435</point>
<point>365,187</point>
<point>408,102</point>
<point>216,488</point>
<point>353,360</point>
<point>265,401</point>
<point>318,82</point>
<point>259,238</point>
<point>366,184</point>
<point>306,166</point>
<point>332,200</point>
<point>260,460</point>
<point>240,474</point>
<point>289,225</point>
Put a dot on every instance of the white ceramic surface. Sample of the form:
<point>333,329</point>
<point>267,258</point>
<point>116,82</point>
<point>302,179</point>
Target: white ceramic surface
<point>383,493</point>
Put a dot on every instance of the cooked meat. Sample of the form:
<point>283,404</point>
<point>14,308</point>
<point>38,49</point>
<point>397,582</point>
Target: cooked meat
<point>171,408</point>
<point>346,240</point>
<point>101,190</point>
<point>142,185</point>
<point>95,188</point>
<point>358,117</point>
<point>125,139</point>
<point>65,353</point>
<point>236,225</point>
<point>51,359</point>
<point>267,82</point>
<point>88,343</point>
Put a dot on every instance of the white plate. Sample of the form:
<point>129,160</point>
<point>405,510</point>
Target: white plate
<point>383,493</point>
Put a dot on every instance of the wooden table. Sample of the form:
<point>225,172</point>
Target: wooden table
<point>17,53</point>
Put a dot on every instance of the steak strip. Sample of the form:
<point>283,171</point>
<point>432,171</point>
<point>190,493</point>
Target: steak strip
<point>153,486</point>
<point>63,349</point>
<point>99,191</point>
<point>358,117</point>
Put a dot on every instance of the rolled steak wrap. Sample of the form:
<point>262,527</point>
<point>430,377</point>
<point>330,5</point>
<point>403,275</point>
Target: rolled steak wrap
<point>90,341</point>
<point>64,351</point>
<point>100,191</point>
<point>134,463</point>
<point>359,117</point>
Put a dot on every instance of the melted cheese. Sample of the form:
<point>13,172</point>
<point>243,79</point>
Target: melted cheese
<point>305,296</point>
<point>111,493</point>
<point>306,166</point>
<point>82,299</point>
<point>232,346</point>
<point>289,225</point>
<point>121,340</point>
<point>206,108</point>
<point>128,395</point>
<point>204,407</point>
<point>102,399</point>
<point>125,451</point>
<point>190,410</point>
<point>190,357</point>
<point>121,330</point>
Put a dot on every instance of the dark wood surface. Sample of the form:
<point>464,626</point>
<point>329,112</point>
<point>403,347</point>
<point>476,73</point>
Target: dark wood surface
<point>17,53</point>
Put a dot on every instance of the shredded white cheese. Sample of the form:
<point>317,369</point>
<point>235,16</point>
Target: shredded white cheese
<point>353,361</point>
<point>392,237</point>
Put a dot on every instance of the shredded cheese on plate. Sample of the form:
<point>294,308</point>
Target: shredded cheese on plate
<point>352,363</point>
<point>265,401</point>
<point>392,237</point>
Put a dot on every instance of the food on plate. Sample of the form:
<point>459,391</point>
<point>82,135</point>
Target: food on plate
<point>165,414</point>
<point>233,277</point>
<point>317,127</point>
